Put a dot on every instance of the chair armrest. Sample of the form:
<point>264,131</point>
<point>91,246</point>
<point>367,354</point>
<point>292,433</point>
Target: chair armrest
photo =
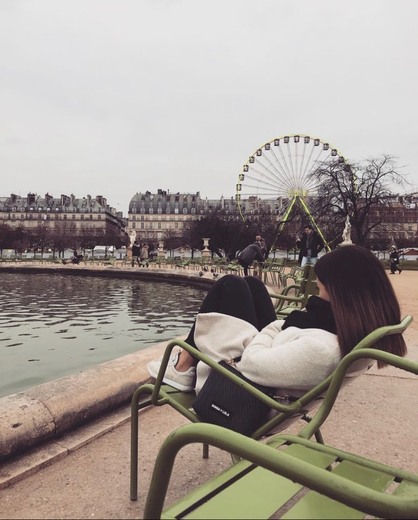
<point>285,291</point>
<point>281,299</point>
<point>288,298</point>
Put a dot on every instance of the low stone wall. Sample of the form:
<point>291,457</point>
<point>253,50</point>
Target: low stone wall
<point>152,273</point>
<point>43,412</point>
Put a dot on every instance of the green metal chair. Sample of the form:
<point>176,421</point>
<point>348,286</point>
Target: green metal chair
<point>294,275</point>
<point>285,411</point>
<point>273,271</point>
<point>291,476</point>
<point>295,296</point>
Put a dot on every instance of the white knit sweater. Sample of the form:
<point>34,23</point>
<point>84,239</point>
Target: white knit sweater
<point>290,359</point>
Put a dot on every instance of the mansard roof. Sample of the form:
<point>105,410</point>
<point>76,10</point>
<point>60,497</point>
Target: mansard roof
<point>36,202</point>
<point>164,200</point>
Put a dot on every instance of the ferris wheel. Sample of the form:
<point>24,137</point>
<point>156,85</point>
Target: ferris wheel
<point>281,174</point>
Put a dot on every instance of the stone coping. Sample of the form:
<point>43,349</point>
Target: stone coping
<point>154,272</point>
<point>41,413</point>
<point>46,411</point>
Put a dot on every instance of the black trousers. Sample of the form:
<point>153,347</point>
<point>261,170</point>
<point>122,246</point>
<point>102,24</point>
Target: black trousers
<point>245,298</point>
<point>394,266</point>
<point>245,266</point>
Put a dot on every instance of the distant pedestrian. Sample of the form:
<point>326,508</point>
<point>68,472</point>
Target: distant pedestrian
<point>136,249</point>
<point>394,260</point>
<point>75,259</point>
<point>144,254</point>
<point>310,245</point>
<point>247,256</point>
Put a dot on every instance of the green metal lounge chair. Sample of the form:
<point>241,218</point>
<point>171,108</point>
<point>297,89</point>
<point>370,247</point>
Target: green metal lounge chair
<point>291,476</point>
<point>159,394</point>
<point>273,271</point>
<point>295,274</point>
<point>286,302</point>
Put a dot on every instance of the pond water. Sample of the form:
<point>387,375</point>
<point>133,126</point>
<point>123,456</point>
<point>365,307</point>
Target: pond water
<point>53,325</point>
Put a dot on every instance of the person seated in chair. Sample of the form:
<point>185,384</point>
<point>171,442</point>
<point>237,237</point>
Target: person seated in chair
<point>75,259</point>
<point>237,318</point>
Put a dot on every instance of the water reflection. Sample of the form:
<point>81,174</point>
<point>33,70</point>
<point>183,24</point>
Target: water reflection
<point>54,325</point>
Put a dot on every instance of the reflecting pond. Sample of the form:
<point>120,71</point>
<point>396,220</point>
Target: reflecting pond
<point>53,325</point>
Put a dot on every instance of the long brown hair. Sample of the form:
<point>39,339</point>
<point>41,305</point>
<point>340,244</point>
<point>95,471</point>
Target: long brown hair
<point>361,297</point>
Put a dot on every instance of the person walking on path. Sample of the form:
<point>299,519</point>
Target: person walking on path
<point>135,253</point>
<point>247,256</point>
<point>394,261</point>
<point>310,245</point>
<point>144,254</point>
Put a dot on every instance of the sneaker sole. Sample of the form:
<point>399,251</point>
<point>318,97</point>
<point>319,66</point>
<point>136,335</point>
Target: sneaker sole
<point>174,384</point>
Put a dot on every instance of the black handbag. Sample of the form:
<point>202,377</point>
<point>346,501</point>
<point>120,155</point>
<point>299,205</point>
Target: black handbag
<point>227,404</point>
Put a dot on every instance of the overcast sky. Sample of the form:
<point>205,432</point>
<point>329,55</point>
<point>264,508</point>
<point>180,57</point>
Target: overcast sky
<point>114,97</point>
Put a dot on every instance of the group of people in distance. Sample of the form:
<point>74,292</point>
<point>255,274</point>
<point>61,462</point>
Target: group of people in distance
<point>140,253</point>
<point>237,320</point>
<point>309,244</point>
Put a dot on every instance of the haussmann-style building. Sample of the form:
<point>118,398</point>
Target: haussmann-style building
<point>86,214</point>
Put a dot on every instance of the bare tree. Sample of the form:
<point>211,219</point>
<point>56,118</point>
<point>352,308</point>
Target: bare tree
<point>40,238</point>
<point>354,189</point>
<point>172,239</point>
<point>226,232</point>
<point>6,237</point>
<point>63,236</point>
<point>87,237</point>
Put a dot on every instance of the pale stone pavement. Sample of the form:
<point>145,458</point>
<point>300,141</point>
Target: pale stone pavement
<point>375,416</point>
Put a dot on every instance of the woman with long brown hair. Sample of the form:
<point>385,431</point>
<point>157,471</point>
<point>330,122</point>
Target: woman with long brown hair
<point>237,319</point>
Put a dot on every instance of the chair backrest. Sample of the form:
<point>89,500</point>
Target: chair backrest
<point>303,289</point>
<point>296,274</point>
<point>318,391</point>
<point>308,282</point>
<point>362,351</point>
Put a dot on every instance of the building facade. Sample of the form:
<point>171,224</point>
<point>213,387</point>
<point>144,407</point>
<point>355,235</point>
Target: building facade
<point>86,213</point>
<point>155,216</point>
<point>399,222</point>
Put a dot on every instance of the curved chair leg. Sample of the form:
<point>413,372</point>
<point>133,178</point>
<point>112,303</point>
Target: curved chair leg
<point>317,434</point>
<point>135,407</point>
<point>205,451</point>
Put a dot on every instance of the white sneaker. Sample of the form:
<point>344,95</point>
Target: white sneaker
<point>184,381</point>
